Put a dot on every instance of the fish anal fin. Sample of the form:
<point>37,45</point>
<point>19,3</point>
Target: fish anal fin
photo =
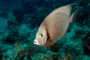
<point>52,46</point>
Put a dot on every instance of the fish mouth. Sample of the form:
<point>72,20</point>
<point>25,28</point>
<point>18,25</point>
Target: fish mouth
<point>36,42</point>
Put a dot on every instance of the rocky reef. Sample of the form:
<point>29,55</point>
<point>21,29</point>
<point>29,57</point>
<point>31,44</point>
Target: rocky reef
<point>21,21</point>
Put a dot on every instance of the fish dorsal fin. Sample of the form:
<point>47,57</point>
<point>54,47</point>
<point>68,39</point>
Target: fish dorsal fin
<point>64,9</point>
<point>72,17</point>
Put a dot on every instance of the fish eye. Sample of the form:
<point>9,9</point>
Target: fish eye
<point>41,35</point>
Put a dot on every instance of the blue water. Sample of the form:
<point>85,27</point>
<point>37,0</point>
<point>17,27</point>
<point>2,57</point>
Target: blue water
<point>20,20</point>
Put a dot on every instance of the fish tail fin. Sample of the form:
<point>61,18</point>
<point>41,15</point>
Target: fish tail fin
<point>74,4</point>
<point>74,11</point>
<point>67,9</point>
<point>73,16</point>
<point>74,7</point>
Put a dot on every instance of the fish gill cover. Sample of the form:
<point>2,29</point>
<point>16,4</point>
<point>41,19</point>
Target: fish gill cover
<point>20,20</point>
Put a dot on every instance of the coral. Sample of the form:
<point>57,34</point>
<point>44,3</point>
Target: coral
<point>50,56</point>
<point>24,30</point>
<point>3,24</point>
<point>87,40</point>
<point>20,51</point>
<point>18,32</point>
<point>3,35</point>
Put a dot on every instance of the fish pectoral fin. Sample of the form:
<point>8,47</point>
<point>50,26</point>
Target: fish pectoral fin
<point>52,38</point>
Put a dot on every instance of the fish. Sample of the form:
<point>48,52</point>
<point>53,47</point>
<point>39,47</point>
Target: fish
<point>54,26</point>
